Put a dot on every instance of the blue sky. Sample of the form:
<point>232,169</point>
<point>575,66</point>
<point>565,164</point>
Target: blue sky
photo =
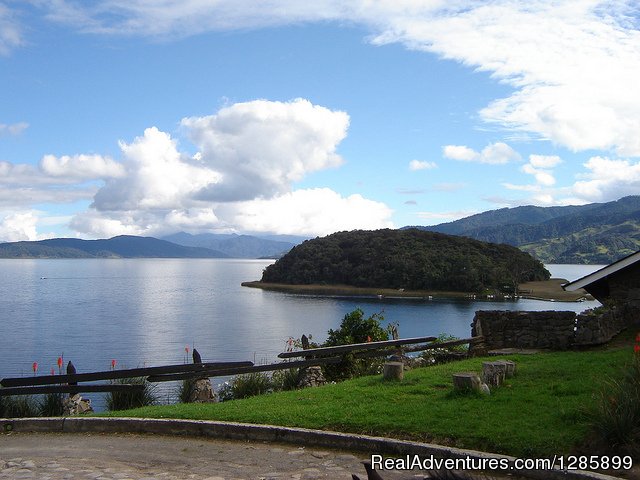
<point>149,118</point>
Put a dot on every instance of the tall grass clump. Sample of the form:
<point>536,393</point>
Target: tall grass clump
<point>51,405</point>
<point>132,399</point>
<point>285,379</point>
<point>616,419</point>
<point>244,386</point>
<point>186,389</point>
<point>19,406</point>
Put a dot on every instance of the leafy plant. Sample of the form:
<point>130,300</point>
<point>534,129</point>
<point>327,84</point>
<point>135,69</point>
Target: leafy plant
<point>355,328</point>
<point>616,420</point>
<point>132,398</point>
<point>186,389</point>
<point>51,405</point>
<point>285,379</point>
<point>19,406</point>
<point>244,386</point>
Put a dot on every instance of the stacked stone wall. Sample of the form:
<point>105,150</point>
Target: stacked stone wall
<point>517,329</point>
<point>554,330</point>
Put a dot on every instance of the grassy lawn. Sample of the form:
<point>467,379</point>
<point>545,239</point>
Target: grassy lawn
<point>542,411</point>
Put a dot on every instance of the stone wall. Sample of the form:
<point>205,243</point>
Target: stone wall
<point>515,329</point>
<point>555,330</point>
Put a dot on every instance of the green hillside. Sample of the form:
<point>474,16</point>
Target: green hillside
<point>405,259</point>
<point>124,246</point>
<point>597,233</point>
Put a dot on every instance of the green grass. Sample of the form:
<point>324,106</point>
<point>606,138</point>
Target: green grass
<point>543,410</point>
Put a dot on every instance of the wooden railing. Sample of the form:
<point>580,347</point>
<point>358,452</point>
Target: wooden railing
<point>74,382</point>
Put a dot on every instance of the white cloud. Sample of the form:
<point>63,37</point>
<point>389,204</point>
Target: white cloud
<point>318,211</point>
<point>309,212</point>
<point>81,166</point>
<point>460,152</point>
<point>10,31</point>
<point>495,153</point>
<point>18,226</point>
<point>262,147</point>
<point>100,225</point>
<point>543,177</point>
<point>573,65</point>
<point>188,17</point>
<point>158,176</point>
<point>24,185</point>
<point>415,165</point>
<point>544,161</point>
<point>12,129</point>
<point>608,179</point>
<point>242,178</point>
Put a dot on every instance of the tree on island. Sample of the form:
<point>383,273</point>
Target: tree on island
<point>405,259</point>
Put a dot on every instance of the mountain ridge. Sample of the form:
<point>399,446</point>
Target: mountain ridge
<point>234,245</point>
<point>122,246</point>
<point>596,233</point>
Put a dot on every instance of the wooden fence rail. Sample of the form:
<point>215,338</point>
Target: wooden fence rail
<point>355,346</point>
<point>115,374</point>
<point>73,389</point>
<point>71,383</point>
<point>253,369</point>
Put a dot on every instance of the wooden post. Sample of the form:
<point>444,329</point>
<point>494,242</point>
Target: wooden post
<point>493,373</point>
<point>393,371</point>
<point>465,381</point>
<point>510,367</point>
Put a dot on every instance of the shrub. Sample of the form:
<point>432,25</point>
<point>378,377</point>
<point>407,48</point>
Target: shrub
<point>616,420</point>
<point>354,328</point>
<point>51,405</point>
<point>246,385</point>
<point>19,406</point>
<point>285,379</point>
<point>251,384</point>
<point>186,390</point>
<point>134,398</point>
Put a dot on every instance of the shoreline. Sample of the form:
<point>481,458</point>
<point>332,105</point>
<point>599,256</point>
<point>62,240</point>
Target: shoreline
<point>549,290</point>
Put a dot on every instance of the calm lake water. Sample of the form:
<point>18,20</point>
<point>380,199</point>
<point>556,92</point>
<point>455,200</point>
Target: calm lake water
<point>143,312</point>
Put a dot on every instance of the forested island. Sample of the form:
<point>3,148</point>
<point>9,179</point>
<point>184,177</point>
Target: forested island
<point>407,259</point>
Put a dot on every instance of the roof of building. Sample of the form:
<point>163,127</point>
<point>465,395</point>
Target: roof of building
<point>602,273</point>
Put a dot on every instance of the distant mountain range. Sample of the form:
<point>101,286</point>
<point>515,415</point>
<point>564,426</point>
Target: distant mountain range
<point>124,246</point>
<point>179,245</point>
<point>238,246</point>
<point>597,233</point>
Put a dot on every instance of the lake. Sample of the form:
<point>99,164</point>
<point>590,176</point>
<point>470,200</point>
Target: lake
<point>143,312</point>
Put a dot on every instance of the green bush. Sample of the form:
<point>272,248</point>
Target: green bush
<point>19,406</point>
<point>246,385</point>
<point>616,420</point>
<point>51,405</point>
<point>355,328</point>
<point>285,379</point>
<point>186,389</point>
<point>132,399</point>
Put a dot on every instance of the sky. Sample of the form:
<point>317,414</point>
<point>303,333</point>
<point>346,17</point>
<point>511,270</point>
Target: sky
<point>147,117</point>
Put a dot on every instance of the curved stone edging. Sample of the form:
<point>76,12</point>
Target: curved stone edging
<point>270,433</point>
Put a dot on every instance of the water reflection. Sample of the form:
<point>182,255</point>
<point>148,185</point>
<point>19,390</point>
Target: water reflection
<point>144,311</point>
